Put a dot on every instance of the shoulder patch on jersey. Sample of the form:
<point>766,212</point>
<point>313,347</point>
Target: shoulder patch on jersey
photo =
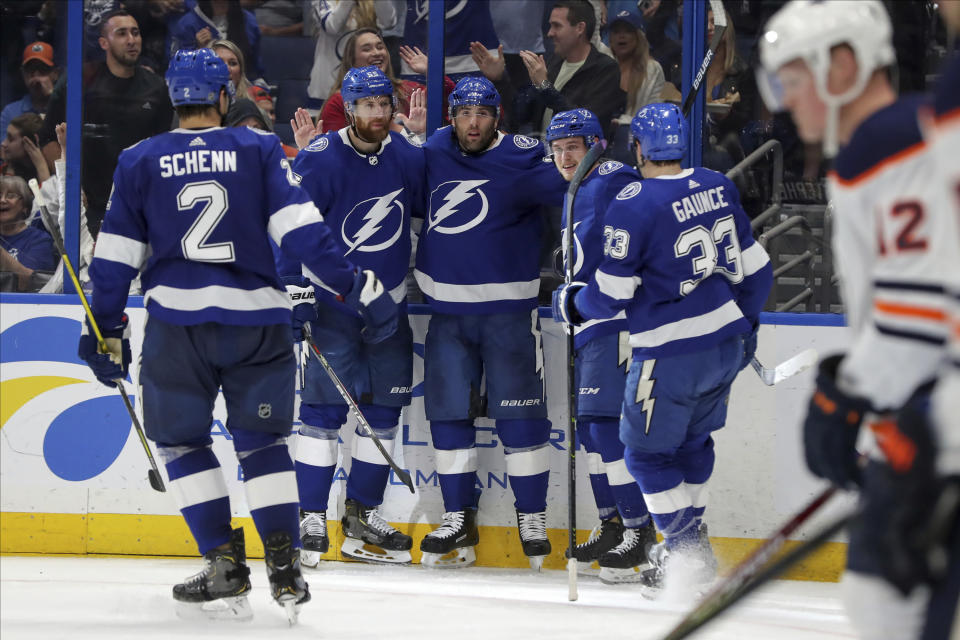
<point>525,142</point>
<point>317,145</point>
<point>609,167</point>
<point>629,191</point>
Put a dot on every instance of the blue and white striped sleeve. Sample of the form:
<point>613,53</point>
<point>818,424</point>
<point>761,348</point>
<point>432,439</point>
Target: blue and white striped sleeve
<point>752,292</point>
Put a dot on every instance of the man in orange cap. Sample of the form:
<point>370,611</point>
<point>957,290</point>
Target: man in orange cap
<point>39,75</point>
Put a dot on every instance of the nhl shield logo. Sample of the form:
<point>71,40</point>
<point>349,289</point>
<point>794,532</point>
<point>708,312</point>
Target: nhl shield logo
<point>265,410</point>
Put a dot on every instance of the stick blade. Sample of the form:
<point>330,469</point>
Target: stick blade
<point>156,481</point>
<point>797,364</point>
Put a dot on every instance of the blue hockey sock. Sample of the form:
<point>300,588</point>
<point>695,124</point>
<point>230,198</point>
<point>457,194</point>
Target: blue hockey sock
<point>606,505</point>
<point>269,481</point>
<point>316,453</point>
<point>197,484</point>
<point>527,461</point>
<point>605,433</point>
<point>665,494</point>
<point>696,459</point>
<point>369,470</point>
<point>456,455</point>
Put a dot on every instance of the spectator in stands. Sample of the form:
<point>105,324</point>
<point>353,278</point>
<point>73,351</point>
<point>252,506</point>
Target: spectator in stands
<point>278,17</point>
<point>731,97</point>
<point>246,113</point>
<point>20,151</point>
<point>464,22</point>
<point>123,103</point>
<point>578,75</point>
<point>641,77</point>
<point>230,53</point>
<point>662,27</point>
<point>336,19</point>
<point>366,47</point>
<point>39,75</point>
<point>264,101</point>
<point>212,20</point>
<point>156,19</point>
<point>24,249</point>
<point>519,28</point>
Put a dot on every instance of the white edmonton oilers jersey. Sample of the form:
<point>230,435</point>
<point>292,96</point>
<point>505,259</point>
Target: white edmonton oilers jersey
<point>887,248</point>
<point>367,200</point>
<point>594,196</point>
<point>946,147</point>
<point>196,210</point>
<point>479,249</point>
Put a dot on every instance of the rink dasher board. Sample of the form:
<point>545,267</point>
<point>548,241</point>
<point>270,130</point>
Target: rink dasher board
<point>73,475</point>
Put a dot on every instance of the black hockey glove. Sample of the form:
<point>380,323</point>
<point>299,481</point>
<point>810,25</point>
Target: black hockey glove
<point>830,428</point>
<point>749,346</point>
<point>374,304</point>
<point>113,364</point>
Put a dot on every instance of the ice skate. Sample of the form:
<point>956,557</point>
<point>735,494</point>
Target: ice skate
<point>451,545</point>
<point>219,591</point>
<point>533,537</point>
<point>686,570</point>
<point>603,537</point>
<point>370,538</point>
<point>623,563</point>
<point>287,585</point>
<point>313,536</point>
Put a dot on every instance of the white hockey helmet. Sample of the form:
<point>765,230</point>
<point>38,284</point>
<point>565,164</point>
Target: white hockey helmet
<point>807,30</point>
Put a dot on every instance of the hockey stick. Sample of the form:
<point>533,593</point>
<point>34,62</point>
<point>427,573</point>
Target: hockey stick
<point>787,369</point>
<point>718,602</point>
<point>153,474</point>
<point>361,420</point>
<point>719,26</point>
<point>592,155</point>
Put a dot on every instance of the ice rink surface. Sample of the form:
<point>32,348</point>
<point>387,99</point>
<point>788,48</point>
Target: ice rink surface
<point>105,598</point>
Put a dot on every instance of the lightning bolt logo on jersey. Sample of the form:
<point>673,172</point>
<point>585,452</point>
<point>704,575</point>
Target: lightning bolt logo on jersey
<point>370,204</point>
<point>463,205</point>
<point>480,252</point>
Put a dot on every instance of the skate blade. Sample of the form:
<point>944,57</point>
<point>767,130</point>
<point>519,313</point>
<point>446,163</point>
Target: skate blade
<point>290,607</point>
<point>365,552</point>
<point>588,568</point>
<point>536,562</point>
<point>310,559</point>
<point>231,609</point>
<point>456,559</point>
<point>610,575</point>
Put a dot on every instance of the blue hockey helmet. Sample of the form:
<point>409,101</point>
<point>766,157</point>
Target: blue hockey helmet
<point>661,130</point>
<point>576,122</point>
<point>364,82</point>
<point>196,77</point>
<point>474,90</point>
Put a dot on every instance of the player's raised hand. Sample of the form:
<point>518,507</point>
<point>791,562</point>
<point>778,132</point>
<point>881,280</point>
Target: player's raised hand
<point>536,67</point>
<point>303,128</point>
<point>490,66</point>
<point>415,59</point>
<point>416,120</point>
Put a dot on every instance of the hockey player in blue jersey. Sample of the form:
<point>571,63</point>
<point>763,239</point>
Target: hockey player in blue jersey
<point>619,543</point>
<point>367,181</point>
<point>477,265</point>
<point>195,210</point>
<point>680,261</point>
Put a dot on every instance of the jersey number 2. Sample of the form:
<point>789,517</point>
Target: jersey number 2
<point>722,237</point>
<point>194,241</point>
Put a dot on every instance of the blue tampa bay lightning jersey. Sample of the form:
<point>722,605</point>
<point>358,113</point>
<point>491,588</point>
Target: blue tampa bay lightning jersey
<point>479,248</point>
<point>196,210</point>
<point>594,196</point>
<point>680,259</point>
<point>367,201</point>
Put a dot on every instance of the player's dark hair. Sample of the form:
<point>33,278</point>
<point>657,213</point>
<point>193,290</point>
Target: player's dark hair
<point>113,13</point>
<point>193,110</point>
<point>579,11</point>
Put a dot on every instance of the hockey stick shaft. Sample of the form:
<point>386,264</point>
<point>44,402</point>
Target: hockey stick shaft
<point>719,27</point>
<point>723,595</point>
<point>786,369</point>
<point>361,420</point>
<point>586,164</point>
<point>710,608</point>
<point>153,475</point>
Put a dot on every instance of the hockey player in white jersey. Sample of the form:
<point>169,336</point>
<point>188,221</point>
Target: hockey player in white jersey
<point>619,543</point>
<point>477,265</point>
<point>681,263</point>
<point>367,182</point>
<point>827,63</point>
<point>195,210</point>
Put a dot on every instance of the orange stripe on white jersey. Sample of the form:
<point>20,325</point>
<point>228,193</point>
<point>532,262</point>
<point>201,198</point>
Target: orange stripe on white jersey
<point>910,311</point>
<point>886,163</point>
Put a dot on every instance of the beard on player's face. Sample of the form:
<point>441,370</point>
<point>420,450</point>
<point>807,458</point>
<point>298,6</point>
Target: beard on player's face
<point>476,136</point>
<point>374,129</point>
